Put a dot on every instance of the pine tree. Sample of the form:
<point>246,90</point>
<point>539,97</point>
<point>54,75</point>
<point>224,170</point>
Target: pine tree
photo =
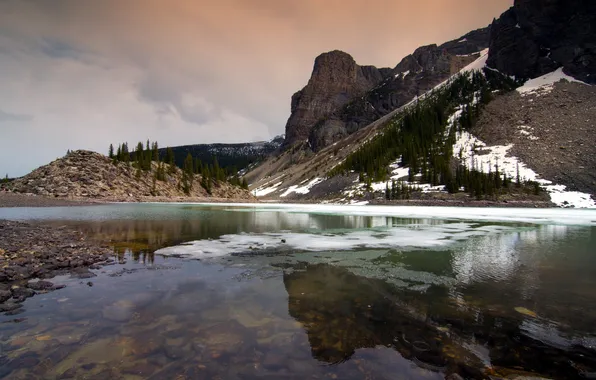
<point>206,179</point>
<point>119,153</point>
<point>125,153</point>
<point>170,160</point>
<point>155,150</point>
<point>244,184</point>
<point>187,174</point>
<point>139,155</point>
<point>198,166</point>
<point>111,151</point>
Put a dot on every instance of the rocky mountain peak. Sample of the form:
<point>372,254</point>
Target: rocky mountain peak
<point>535,37</point>
<point>342,96</point>
<point>336,79</point>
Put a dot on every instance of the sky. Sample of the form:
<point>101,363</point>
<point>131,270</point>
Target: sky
<point>81,74</point>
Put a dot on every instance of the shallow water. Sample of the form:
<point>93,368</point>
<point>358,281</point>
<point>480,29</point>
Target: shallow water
<point>296,292</point>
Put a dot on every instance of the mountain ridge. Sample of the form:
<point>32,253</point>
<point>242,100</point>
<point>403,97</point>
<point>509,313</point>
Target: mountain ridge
<point>301,171</point>
<point>323,123</point>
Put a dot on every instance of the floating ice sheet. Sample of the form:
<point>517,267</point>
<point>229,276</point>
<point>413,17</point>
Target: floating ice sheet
<point>412,235</point>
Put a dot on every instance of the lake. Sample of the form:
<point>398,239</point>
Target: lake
<point>315,292</point>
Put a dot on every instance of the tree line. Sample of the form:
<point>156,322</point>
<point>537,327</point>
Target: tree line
<point>423,138</point>
<point>146,158</point>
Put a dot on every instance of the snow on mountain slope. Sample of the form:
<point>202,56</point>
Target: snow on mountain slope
<point>544,84</point>
<point>467,145</point>
<point>474,152</point>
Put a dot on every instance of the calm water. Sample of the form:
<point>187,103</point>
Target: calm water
<point>323,293</point>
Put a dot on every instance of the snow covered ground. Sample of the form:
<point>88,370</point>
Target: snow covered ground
<point>544,84</point>
<point>302,189</point>
<point>264,190</point>
<point>468,145</point>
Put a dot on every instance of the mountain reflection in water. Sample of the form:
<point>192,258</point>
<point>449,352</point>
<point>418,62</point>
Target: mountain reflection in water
<point>471,297</point>
<point>342,313</point>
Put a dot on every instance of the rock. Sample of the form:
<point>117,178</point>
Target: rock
<point>4,295</point>
<point>535,37</point>
<point>9,306</point>
<point>84,174</point>
<point>83,273</point>
<point>20,294</point>
<point>41,285</point>
<point>336,79</point>
<point>342,97</point>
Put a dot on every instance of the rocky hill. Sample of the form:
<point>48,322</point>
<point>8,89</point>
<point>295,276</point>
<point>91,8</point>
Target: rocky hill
<point>84,175</point>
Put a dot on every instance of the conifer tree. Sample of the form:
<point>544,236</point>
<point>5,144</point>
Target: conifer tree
<point>170,160</point>
<point>111,151</point>
<point>155,150</point>
<point>187,174</point>
<point>119,153</point>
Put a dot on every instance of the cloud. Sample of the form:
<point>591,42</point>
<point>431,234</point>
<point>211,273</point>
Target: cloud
<point>14,117</point>
<point>188,71</point>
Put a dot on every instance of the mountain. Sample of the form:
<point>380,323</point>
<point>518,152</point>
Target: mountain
<point>84,174</point>
<point>456,122</point>
<point>342,97</point>
<point>336,79</point>
<point>232,157</point>
<point>535,37</point>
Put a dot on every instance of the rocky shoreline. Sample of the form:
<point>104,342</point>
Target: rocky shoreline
<point>12,199</point>
<point>30,253</point>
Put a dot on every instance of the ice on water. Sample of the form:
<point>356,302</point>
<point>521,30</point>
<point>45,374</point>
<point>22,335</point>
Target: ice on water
<point>440,227</point>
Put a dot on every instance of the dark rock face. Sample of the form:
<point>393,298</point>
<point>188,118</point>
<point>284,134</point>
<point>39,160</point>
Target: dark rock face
<point>413,76</point>
<point>336,79</point>
<point>535,37</point>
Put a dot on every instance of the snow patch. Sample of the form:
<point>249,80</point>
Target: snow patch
<point>463,40</point>
<point>478,64</point>
<point>402,75</point>
<point>262,191</point>
<point>527,131</point>
<point>544,84</point>
<point>301,189</point>
<point>476,154</point>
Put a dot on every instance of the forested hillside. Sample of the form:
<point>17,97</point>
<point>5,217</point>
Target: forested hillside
<point>422,139</point>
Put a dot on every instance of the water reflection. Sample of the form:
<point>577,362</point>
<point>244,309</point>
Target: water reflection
<point>496,300</point>
<point>342,313</point>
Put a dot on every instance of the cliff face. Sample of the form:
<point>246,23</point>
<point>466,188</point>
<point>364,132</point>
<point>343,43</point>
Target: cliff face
<point>342,97</point>
<point>85,174</point>
<point>536,37</point>
<point>336,79</point>
<point>414,75</point>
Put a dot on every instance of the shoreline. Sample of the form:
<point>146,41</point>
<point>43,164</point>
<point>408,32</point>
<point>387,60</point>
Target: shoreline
<point>30,253</point>
<point>11,199</point>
